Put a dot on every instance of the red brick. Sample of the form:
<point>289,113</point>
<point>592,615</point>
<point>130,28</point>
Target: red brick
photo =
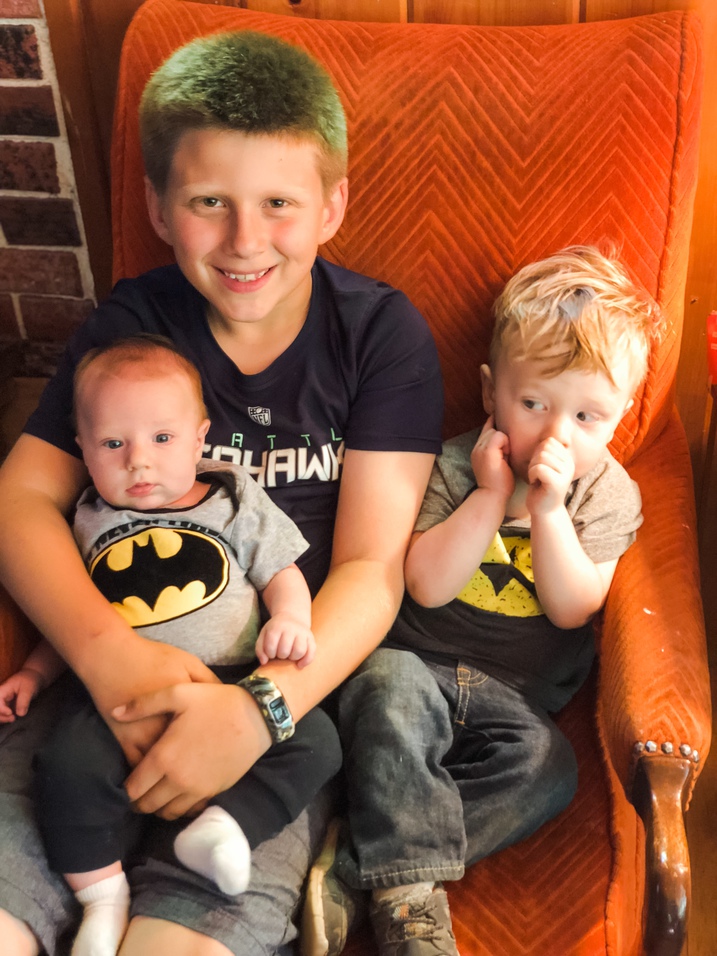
<point>30,167</point>
<point>15,9</point>
<point>8,323</point>
<point>19,56</point>
<point>51,319</point>
<point>40,271</point>
<point>39,222</point>
<point>28,111</point>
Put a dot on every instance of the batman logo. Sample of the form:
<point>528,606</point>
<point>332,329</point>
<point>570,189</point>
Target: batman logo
<point>160,574</point>
<point>504,583</point>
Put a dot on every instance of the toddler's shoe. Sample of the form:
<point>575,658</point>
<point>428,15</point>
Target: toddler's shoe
<point>332,908</point>
<point>414,926</point>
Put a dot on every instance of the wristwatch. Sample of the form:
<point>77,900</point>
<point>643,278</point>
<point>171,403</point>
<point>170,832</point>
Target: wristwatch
<point>272,705</point>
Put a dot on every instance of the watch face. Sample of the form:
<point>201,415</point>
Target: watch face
<point>279,711</point>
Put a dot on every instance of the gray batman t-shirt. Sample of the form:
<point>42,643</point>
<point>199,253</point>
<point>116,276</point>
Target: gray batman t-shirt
<point>190,577</point>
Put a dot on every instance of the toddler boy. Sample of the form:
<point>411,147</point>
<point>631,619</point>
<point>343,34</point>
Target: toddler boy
<point>451,753</point>
<point>180,545</point>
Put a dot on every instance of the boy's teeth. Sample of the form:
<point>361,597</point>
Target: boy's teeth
<point>246,277</point>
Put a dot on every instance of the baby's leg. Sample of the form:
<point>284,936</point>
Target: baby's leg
<point>214,845</point>
<point>104,896</point>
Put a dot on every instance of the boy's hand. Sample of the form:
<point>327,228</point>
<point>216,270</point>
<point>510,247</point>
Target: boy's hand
<point>20,689</point>
<point>284,638</point>
<point>489,460</point>
<point>550,474</point>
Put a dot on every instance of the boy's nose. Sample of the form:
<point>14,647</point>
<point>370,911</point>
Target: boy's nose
<point>559,428</point>
<point>244,234</point>
<point>136,458</point>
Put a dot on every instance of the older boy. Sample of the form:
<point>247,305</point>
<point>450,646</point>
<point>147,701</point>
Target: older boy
<point>180,545</point>
<point>324,384</point>
<point>450,752</point>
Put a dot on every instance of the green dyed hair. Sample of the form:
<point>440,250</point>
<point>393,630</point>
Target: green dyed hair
<point>243,81</point>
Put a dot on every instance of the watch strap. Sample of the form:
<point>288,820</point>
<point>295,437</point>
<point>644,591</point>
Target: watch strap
<point>272,705</point>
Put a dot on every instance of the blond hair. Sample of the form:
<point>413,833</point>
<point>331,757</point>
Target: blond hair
<point>577,309</point>
<point>152,355</point>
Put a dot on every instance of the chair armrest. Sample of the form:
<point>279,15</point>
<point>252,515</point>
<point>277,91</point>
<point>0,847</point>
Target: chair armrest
<point>659,791</point>
<point>654,709</point>
<point>17,636</point>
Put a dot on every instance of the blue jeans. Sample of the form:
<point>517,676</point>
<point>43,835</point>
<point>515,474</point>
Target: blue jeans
<point>445,765</point>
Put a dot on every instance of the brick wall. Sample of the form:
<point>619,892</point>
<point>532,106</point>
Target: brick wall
<point>46,287</point>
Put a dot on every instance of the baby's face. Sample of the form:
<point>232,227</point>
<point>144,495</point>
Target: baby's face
<point>579,409</point>
<point>141,439</point>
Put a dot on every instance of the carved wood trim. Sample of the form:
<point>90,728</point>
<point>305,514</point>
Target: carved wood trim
<point>660,791</point>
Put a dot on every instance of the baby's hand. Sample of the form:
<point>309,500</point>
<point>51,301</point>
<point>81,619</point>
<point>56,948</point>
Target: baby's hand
<point>286,639</point>
<point>20,689</point>
<point>489,460</point>
<point>550,473</point>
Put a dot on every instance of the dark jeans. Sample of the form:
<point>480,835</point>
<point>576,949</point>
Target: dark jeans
<point>444,766</point>
<point>85,816</point>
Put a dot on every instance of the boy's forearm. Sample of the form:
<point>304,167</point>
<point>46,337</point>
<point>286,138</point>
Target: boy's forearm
<point>46,662</point>
<point>442,560</point>
<point>288,592</point>
<point>571,587</point>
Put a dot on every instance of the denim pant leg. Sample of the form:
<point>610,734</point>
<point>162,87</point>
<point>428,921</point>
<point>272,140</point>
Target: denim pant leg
<point>404,809</point>
<point>513,767</point>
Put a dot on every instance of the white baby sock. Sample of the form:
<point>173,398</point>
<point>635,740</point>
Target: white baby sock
<point>105,917</point>
<point>214,846</point>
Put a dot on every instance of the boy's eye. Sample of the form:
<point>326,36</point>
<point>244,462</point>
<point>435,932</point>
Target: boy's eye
<point>586,417</point>
<point>533,404</point>
<point>278,203</point>
<point>162,438</point>
<point>112,443</point>
<point>210,202</point>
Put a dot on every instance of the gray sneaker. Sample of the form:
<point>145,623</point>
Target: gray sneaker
<point>331,908</point>
<point>415,927</point>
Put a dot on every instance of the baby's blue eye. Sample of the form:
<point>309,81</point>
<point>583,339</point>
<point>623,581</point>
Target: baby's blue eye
<point>162,438</point>
<point>113,443</point>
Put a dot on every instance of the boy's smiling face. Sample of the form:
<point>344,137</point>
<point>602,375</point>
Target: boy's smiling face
<point>245,215</point>
<point>579,409</point>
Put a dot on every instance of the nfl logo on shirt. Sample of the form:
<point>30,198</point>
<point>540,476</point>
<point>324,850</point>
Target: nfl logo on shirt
<point>262,416</point>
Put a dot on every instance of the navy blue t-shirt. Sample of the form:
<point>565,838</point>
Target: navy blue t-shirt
<point>362,373</point>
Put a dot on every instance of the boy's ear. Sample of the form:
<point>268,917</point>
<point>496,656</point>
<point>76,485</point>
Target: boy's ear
<point>156,213</point>
<point>488,387</point>
<point>334,210</point>
<point>201,435</point>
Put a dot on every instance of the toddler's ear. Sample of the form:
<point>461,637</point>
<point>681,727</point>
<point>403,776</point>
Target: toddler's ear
<point>488,388</point>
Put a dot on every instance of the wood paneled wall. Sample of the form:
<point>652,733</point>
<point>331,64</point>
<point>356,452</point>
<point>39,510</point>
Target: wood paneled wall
<point>86,36</point>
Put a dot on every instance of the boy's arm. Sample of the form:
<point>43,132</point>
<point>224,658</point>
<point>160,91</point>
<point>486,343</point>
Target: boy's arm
<point>287,635</point>
<point>571,587</point>
<point>43,666</point>
<point>379,499</point>
<point>44,572</point>
<point>442,560</point>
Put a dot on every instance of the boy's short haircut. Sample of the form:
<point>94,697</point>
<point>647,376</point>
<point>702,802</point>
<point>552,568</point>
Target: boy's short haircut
<point>577,309</point>
<point>247,82</point>
<point>154,355</point>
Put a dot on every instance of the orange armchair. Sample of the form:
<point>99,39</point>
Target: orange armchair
<point>473,151</point>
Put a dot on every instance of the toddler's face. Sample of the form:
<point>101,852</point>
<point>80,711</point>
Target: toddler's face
<point>141,439</point>
<point>579,409</point>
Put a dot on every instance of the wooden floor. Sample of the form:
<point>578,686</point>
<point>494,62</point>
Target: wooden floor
<point>702,817</point>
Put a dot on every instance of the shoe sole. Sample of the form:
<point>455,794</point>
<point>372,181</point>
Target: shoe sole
<point>313,940</point>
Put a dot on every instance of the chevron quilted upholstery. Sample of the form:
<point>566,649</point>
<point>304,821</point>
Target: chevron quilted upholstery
<point>473,151</point>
